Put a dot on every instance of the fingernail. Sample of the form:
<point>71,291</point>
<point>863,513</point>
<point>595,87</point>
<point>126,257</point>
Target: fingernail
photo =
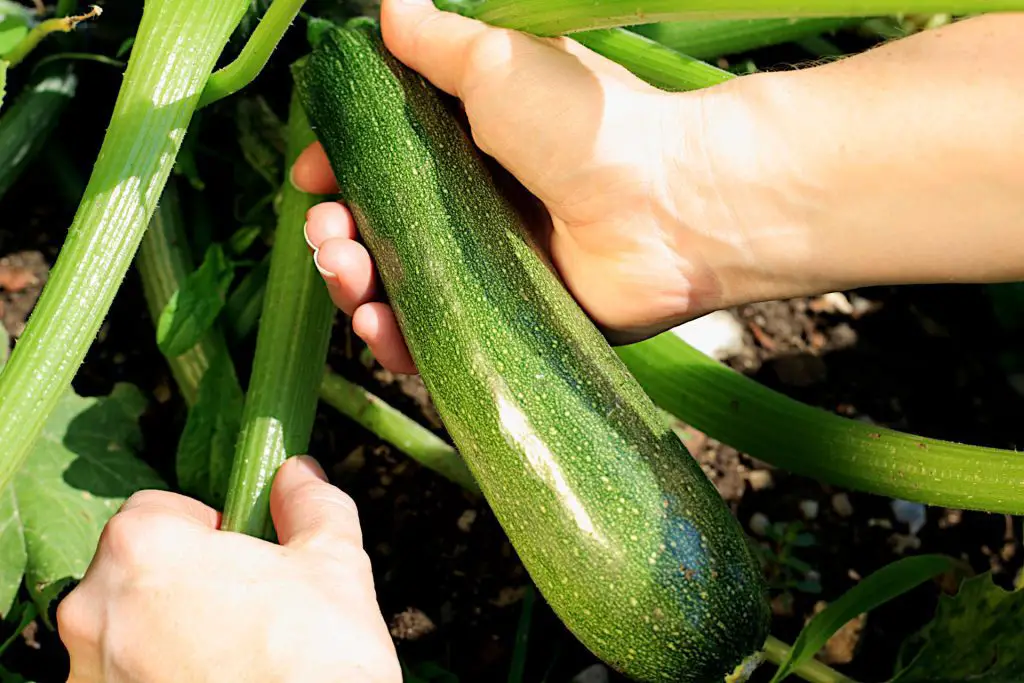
<point>305,234</point>
<point>291,178</point>
<point>327,275</point>
<point>310,466</point>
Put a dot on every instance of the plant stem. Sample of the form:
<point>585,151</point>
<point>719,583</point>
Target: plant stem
<point>711,39</point>
<point>815,671</point>
<point>393,426</point>
<point>660,66</point>
<point>291,351</point>
<point>164,263</point>
<point>44,29</point>
<point>177,45</point>
<point>254,55</point>
<point>812,442</point>
<point>558,17</point>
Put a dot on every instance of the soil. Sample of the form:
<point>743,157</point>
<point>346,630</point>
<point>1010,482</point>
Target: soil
<point>929,360</point>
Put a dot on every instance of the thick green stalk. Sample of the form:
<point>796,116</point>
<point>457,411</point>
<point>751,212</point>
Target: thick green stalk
<point>164,263</point>
<point>254,55</point>
<point>393,426</point>
<point>814,671</point>
<point>27,124</point>
<point>558,17</point>
<point>655,63</point>
<point>711,39</point>
<point>177,45</point>
<point>660,66</point>
<point>291,350</point>
<point>812,442</point>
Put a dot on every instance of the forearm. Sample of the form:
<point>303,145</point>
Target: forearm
<point>901,165</point>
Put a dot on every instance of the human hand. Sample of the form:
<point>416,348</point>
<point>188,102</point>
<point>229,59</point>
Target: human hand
<point>597,146</point>
<point>168,597</point>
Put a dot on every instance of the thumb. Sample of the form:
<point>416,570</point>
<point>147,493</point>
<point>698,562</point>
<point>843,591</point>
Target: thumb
<point>309,512</point>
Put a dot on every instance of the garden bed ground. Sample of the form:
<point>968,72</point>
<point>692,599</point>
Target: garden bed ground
<point>920,359</point>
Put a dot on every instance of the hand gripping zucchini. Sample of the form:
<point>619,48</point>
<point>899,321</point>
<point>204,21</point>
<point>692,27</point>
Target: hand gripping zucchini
<point>622,532</point>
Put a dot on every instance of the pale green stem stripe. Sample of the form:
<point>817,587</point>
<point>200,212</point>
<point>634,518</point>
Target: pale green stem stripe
<point>177,46</point>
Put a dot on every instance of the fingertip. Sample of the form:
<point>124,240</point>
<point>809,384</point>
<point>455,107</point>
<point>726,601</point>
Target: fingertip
<point>326,221</point>
<point>312,172</point>
<point>376,324</point>
<point>347,269</point>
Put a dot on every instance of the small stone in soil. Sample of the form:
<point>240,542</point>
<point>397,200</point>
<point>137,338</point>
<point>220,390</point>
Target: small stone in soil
<point>718,335</point>
<point>842,505</point>
<point>809,509</point>
<point>465,522</point>
<point>597,673</point>
<point>759,523</point>
<point>759,479</point>
<point>412,624</point>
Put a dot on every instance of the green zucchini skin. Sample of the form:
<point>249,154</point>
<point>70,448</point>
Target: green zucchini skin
<point>622,532</point>
<point>27,124</point>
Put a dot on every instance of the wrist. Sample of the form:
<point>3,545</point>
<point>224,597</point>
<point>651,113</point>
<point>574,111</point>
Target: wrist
<point>740,182</point>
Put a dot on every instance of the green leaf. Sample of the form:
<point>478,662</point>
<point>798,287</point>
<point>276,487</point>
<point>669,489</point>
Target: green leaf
<point>12,29</point>
<point>243,238</point>
<point>261,136</point>
<point>207,446</point>
<point>11,677</point>
<point>3,81</point>
<point>20,617</point>
<point>81,470</point>
<point>194,308</point>
<point>977,635</point>
<point>876,589</point>
<point>428,672</point>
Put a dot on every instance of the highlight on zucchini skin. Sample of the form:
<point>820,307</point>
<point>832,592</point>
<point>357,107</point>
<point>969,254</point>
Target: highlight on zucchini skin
<point>617,524</point>
<point>176,48</point>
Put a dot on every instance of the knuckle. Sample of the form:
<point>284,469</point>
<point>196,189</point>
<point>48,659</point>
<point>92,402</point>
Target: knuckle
<point>74,619</point>
<point>131,538</point>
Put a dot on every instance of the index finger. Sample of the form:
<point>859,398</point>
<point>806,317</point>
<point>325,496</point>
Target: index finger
<point>312,172</point>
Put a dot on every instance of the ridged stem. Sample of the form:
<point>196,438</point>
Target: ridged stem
<point>814,671</point>
<point>711,39</point>
<point>399,430</point>
<point>559,17</point>
<point>811,442</point>
<point>177,45</point>
<point>660,66</point>
<point>164,262</point>
<point>291,351</point>
<point>254,55</point>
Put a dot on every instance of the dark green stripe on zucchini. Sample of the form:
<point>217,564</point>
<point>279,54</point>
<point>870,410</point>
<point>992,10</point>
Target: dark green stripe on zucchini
<point>618,526</point>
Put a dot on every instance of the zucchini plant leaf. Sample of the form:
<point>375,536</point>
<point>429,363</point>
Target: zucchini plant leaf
<point>20,617</point>
<point>194,308</point>
<point>876,589</point>
<point>11,677</point>
<point>207,446</point>
<point>12,29</point>
<point>82,469</point>
<point>977,635</point>
<point>3,81</point>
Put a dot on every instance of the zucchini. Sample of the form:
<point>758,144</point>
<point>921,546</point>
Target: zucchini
<point>617,525</point>
<point>26,126</point>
